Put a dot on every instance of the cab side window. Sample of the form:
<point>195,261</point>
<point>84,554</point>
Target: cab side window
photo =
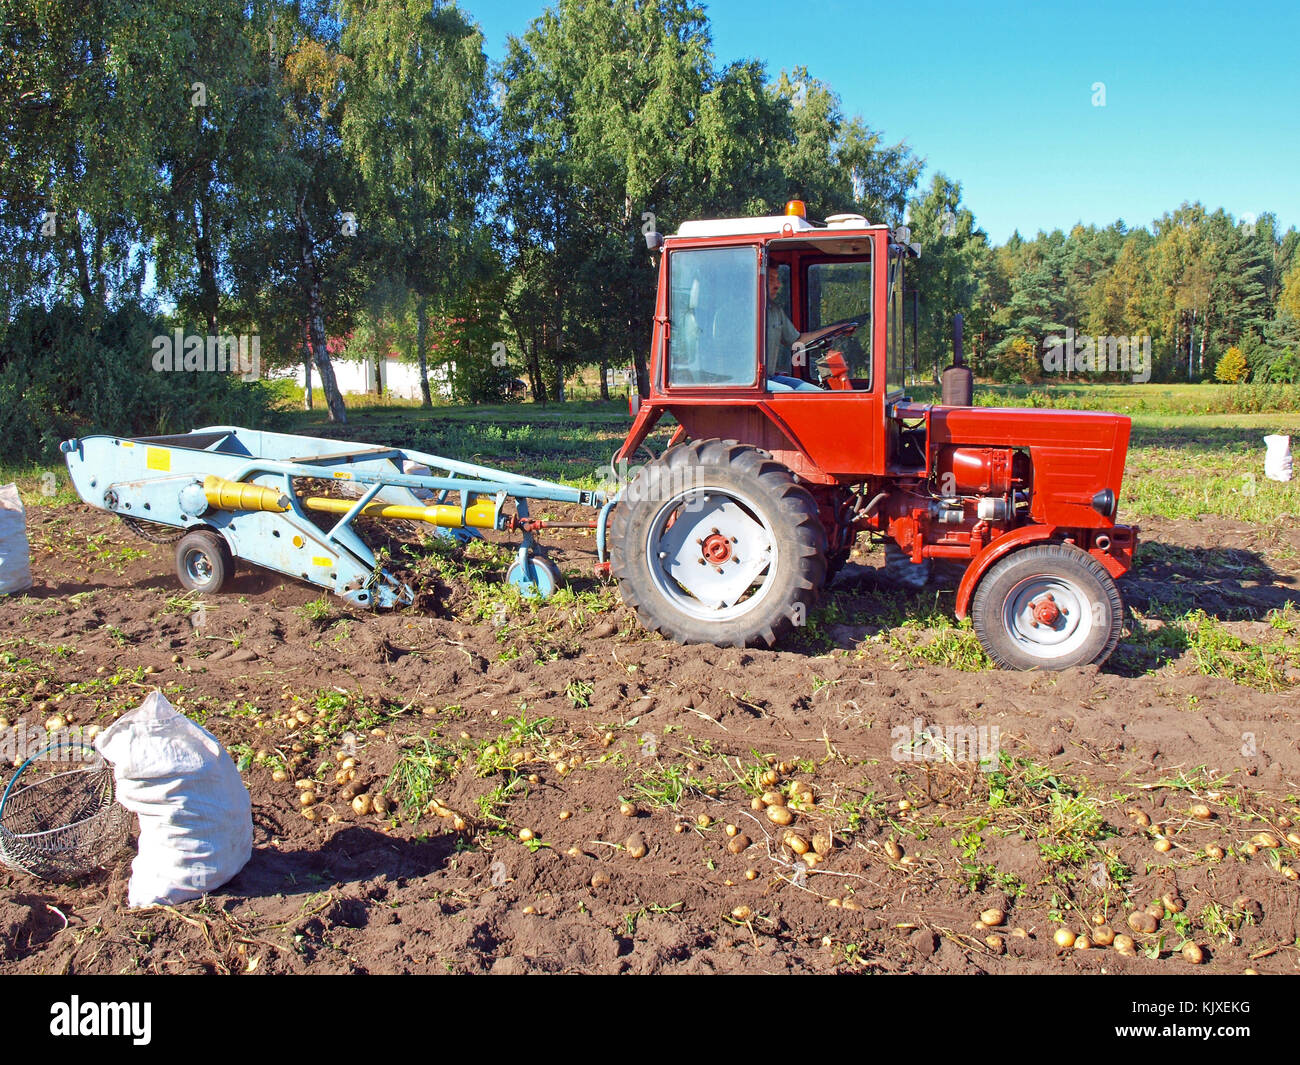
<point>838,293</point>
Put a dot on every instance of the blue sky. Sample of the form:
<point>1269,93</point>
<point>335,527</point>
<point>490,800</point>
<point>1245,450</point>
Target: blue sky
<point>1202,100</point>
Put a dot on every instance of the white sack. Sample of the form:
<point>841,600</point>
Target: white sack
<point>196,819</point>
<point>1277,460</point>
<point>15,555</point>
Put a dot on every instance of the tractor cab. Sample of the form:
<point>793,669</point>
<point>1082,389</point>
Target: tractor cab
<point>789,332</point>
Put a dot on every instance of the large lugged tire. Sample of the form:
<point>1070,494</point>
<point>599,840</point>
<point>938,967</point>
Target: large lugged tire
<point>1051,606</point>
<point>716,543</point>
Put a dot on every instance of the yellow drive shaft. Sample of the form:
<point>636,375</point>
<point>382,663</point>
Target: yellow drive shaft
<point>478,515</point>
<point>236,495</point>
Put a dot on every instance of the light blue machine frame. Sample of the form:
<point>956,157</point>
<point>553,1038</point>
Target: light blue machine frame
<point>159,480</point>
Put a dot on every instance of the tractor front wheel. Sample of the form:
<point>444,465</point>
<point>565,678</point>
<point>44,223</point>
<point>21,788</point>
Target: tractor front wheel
<point>715,542</point>
<point>1051,606</point>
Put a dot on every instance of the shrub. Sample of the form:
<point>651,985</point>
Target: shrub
<point>1232,368</point>
<point>64,373</point>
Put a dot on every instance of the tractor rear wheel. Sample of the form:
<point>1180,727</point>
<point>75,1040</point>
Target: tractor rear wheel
<point>715,542</point>
<point>1051,606</point>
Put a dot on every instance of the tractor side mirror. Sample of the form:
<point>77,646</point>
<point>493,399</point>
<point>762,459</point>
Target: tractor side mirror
<point>654,240</point>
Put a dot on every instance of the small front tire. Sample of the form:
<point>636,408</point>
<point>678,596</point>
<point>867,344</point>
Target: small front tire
<point>1050,606</point>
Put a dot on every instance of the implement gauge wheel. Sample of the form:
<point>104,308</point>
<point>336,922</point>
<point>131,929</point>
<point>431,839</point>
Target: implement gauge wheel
<point>537,579</point>
<point>1050,606</point>
<point>716,543</point>
<point>203,561</point>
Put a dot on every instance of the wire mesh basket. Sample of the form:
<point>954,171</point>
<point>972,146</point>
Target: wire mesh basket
<point>65,825</point>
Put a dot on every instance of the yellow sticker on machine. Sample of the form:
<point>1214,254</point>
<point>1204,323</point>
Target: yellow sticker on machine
<point>157,458</point>
<point>317,560</point>
<point>343,476</point>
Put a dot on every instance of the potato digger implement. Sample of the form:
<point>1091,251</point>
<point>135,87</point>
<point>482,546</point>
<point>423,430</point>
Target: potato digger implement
<point>781,351</point>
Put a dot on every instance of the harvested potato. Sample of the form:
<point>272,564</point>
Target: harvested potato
<point>738,844</point>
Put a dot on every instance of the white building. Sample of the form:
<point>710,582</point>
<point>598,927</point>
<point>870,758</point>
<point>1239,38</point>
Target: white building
<point>398,378</point>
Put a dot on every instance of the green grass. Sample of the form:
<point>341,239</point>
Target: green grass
<point>39,485</point>
<point>663,786</point>
<point>1214,650</point>
<point>418,773</point>
<point>1196,467</point>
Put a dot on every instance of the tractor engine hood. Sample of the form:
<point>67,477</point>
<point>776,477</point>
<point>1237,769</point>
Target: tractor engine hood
<point>1077,457</point>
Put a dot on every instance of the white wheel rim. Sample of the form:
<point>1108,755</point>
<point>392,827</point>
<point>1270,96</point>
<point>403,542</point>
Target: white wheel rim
<point>198,566</point>
<point>1023,617</point>
<point>711,553</point>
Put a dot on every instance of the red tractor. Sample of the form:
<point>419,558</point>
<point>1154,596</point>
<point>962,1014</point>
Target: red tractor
<point>779,348</point>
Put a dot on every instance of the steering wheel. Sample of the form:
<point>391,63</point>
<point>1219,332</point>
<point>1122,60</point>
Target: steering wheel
<point>820,338</point>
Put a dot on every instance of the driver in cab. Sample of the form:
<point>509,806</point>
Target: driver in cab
<point>781,334</point>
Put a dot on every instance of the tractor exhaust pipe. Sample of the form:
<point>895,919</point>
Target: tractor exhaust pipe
<point>958,383</point>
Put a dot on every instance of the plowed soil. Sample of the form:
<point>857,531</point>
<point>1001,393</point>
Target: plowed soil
<point>584,711</point>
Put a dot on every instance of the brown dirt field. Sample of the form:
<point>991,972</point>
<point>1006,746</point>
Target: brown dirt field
<point>1050,838</point>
